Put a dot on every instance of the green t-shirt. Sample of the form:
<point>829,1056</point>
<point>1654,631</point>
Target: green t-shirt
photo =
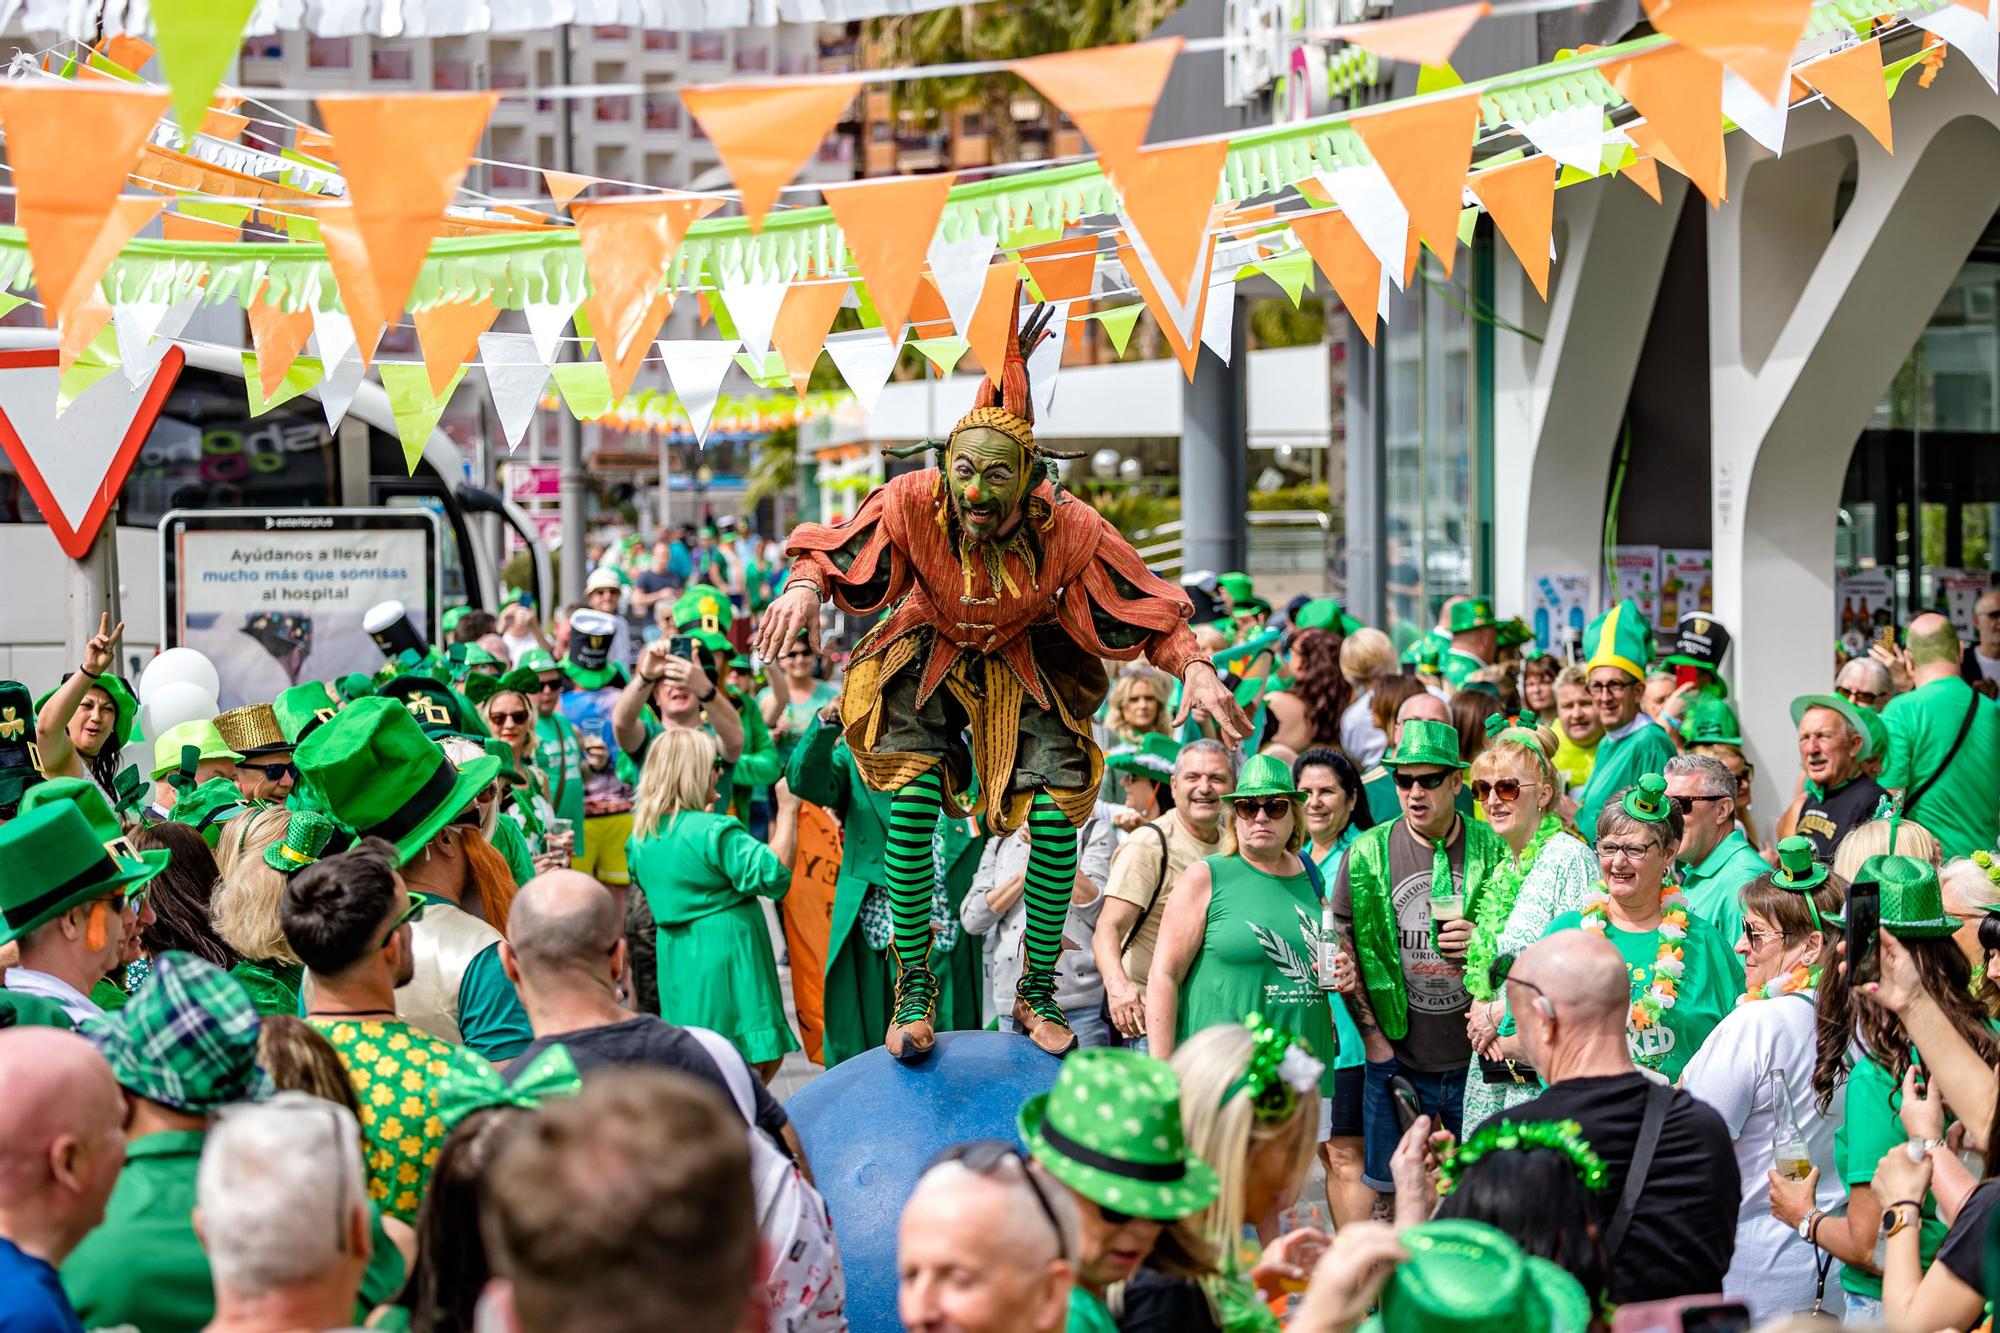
<point>1963,806</point>
<point>1871,1127</point>
<point>800,718</point>
<point>559,754</point>
<point>512,844</point>
<point>1087,1314</point>
<point>1709,988</point>
<point>1618,764</point>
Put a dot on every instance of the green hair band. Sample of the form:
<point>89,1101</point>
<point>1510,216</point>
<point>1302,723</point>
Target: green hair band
<point>1563,1136</point>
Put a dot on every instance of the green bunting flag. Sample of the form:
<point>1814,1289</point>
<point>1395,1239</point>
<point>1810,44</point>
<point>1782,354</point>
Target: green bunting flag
<point>417,409</point>
<point>770,373</point>
<point>304,374</point>
<point>585,387</point>
<point>1292,271</point>
<point>1118,322</point>
<point>941,352</point>
<point>197,40</point>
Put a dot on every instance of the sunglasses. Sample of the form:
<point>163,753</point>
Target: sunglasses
<point>1111,1216</point>
<point>549,686</point>
<point>1428,781</point>
<point>794,653</point>
<point>508,719</point>
<point>1507,789</point>
<point>982,1155</point>
<point>278,772</point>
<point>1686,804</point>
<point>1866,698</point>
<point>414,912</point>
<point>1273,808</point>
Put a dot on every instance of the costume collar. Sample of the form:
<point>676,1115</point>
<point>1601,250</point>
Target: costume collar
<point>1634,727</point>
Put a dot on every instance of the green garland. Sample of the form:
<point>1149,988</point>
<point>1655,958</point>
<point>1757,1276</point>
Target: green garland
<point>1563,1136</point>
<point>1498,905</point>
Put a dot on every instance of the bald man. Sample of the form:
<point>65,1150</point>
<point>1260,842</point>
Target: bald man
<point>979,1252</point>
<point>1944,745</point>
<point>59,1157</point>
<point>1570,994</point>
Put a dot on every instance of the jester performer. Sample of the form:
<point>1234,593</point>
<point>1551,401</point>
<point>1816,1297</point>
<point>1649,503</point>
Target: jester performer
<point>1002,597</point>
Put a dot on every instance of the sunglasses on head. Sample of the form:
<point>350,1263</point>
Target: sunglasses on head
<point>982,1155</point>
<point>1507,789</point>
<point>509,718</point>
<point>1428,781</point>
<point>1271,807</point>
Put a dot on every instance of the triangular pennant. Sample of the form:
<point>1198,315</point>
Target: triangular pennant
<point>753,311</point>
<point>1644,173</point>
<point>69,149</point>
<point>348,258</point>
<point>988,331</point>
<point>403,156</point>
<point>226,125</point>
<point>696,368</point>
<point>1970,33</point>
<point>1573,136</point>
<point>515,377</point>
<point>1045,362</point>
<point>888,225</point>
<point>279,336</point>
<point>1166,195</point>
<point>624,367</point>
<point>1118,322</point>
<point>1179,322</point>
<point>1351,265</point>
<point>1852,81</point>
<point>1291,270</point>
<point>126,219</point>
<point>1752,114</point>
<point>929,317</point>
<point>415,405</point>
<point>585,387</point>
<point>804,320</point>
<point>1416,39</point>
<point>1425,150</point>
<point>546,321</point>
<point>305,373</point>
<point>333,337</point>
<point>1368,201</point>
<point>765,132</point>
<point>88,317</point>
<point>145,329</point>
<point>944,353</point>
<point>1679,92</point>
<point>449,334</point>
<point>337,390</point>
<point>1109,91</point>
<point>959,270</point>
<point>1062,270</point>
<point>565,185</point>
<point>628,246</point>
<point>1218,318</point>
<point>1521,199</point>
<point>198,40</point>
<point>766,371</point>
<point>1755,38</point>
<point>864,360</point>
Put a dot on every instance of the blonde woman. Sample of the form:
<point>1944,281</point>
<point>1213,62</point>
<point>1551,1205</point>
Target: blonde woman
<point>244,910</point>
<point>701,874</point>
<point>1884,837</point>
<point>1250,1109</point>
<point>1137,706</point>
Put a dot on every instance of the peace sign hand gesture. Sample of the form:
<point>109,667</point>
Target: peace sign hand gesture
<point>101,653</point>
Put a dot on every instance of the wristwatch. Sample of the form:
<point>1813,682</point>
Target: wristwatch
<point>1892,1218</point>
<point>1806,1223</point>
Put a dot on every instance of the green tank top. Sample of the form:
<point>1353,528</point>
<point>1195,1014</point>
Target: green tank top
<point>1257,956</point>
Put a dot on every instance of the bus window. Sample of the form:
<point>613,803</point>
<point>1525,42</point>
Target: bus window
<point>207,452</point>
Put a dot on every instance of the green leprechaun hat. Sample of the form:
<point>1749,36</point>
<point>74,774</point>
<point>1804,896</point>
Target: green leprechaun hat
<point>1646,800</point>
<point>589,664</point>
<point>302,708</point>
<point>1471,613</point>
<point>211,805</point>
<point>1266,775</point>
<point>1463,1276</point>
<point>438,709</point>
<point>1619,638</point>
<point>382,777</point>
<point>97,812</point>
<point>1153,757</point>
<point>20,757</point>
<point>705,613</point>
<point>1110,1129</point>
<point>1912,902</point>
<point>1798,869</point>
<point>1711,722</point>
<point>538,661</point>
<point>169,750</point>
<point>56,861</point>
<point>1421,742</point>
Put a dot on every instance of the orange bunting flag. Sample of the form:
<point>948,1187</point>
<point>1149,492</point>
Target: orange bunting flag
<point>1167,194</point>
<point>1644,173</point>
<point>70,147</point>
<point>403,156</point>
<point>623,368</point>
<point>125,220</point>
<point>565,185</point>
<point>765,132</point>
<point>804,320</point>
<point>1062,270</point>
<point>1852,80</point>
<point>312,143</point>
<point>628,245</point>
<point>1679,92</point>
<point>1352,268</point>
<point>1412,252</point>
<point>987,329</point>
<point>929,317</point>
<point>87,318</point>
<point>1755,38</point>
<point>887,226</point>
<point>279,336</point>
<point>348,259</point>
<point>1416,39</point>
<point>1109,91</point>
<point>225,125</point>
<point>450,335</point>
<point>1425,150</point>
<point>1521,199</point>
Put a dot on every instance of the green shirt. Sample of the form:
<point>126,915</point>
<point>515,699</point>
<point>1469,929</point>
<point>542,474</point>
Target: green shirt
<point>1713,888</point>
<point>800,718</point>
<point>757,766</point>
<point>31,1011</point>
<point>1963,806</point>
<point>512,844</point>
<point>1708,990</point>
<point>1344,1031</point>
<point>559,754</point>
<point>144,1267</point>
<point>1869,1129</point>
<point>1620,761</point>
<point>1087,1314</point>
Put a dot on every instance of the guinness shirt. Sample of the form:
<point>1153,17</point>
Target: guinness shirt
<point>1828,815</point>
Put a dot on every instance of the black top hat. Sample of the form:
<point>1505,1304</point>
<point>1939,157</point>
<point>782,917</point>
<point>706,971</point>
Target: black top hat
<point>1700,640</point>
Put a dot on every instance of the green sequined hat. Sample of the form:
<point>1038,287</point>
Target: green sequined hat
<point>1265,775</point>
<point>308,834</point>
<point>1111,1130</point>
<point>1912,902</point>
<point>1424,742</point>
<point>1468,1277</point>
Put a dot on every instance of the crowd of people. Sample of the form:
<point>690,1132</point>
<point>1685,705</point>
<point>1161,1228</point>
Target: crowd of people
<point>450,998</point>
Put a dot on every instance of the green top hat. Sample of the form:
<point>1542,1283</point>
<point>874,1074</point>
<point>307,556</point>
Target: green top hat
<point>1619,638</point>
<point>1646,800</point>
<point>308,833</point>
<point>90,802</point>
<point>1422,741</point>
<point>123,702</point>
<point>187,1038</point>
<point>1265,775</point>
<point>1798,870</point>
<point>1153,757</point>
<point>20,757</point>
<point>209,806</point>
<point>1912,903</point>
<point>1472,613</point>
<point>1463,1276</point>
<point>1700,640</point>
<point>1711,722</point>
<point>382,777</point>
<point>437,708</point>
<point>1328,614</point>
<point>205,740</point>
<point>1110,1129</point>
<point>589,664</point>
<point>1805,703</point>
<point>302,708</point>
<point>537,660</point>
<point>56,861</point>
<point>704,612</point>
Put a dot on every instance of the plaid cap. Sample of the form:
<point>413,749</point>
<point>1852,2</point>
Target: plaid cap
<point>187,1038</point>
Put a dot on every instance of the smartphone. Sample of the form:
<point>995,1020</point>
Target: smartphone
<point>682,645</point>
<point>1403,1094</point>
<point>1686,675</point>
<point>1864,918</point>
<point>1683,1314</point>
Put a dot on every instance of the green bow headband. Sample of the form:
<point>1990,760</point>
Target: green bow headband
<point>1646,800</point>
<point>1496,723</point>
<point>1563,1136</point>
<point>1279,1073</point>
<point>464,1090</point>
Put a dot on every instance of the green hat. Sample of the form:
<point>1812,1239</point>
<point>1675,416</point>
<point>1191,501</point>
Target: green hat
<point>97,812</point>
<point>1238,586</point>
<point>1805,703</point>
<point>589,664</point>
<point>209,806</point>
<point>187,1038</point>
<point>1328,614</point>
<point>1646,800</point>
<point>741,663</point>
<point>20,757</point>
<point>449,620</point>
<point>1798,869</point>
<point>1422,741</point>
<point>1471,613</point>
<point>1266,775</point>
<point>704,612</point>
<point>537,660</point>
<point>1153,757</point>
<point>510,772</point>
<point>1700,640</point>
<point>465,657</point>
<point>355,685</point>
<point>1912,903</point>
<point>307,836</point>
<point>382,777</point>
<point>1515,634</point>
<point>1711,722</point>
<point>1463,1276</point>
<point>123,703</point>
<point>1426,653</point>
<point>200,736</point>
<point>437,708</point>
<point>56,861</point>
<point>1619,638</point>
<point>1111,1130</point>
<point>302,708</point>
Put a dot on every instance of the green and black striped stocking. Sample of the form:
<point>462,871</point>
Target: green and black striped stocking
<point>1051,877</point>
<point>908,865</point>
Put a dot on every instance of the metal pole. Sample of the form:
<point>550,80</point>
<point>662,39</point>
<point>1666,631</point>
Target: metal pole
<point>666,488</point>
<point>573,477</point>
<point>93,592</point>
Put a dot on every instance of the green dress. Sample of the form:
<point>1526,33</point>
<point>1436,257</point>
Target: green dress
<point>1709,989</point>
<point>1256,956</point>
<point>274,986</point>
<point>1619,763</point>
<point>702,874</point>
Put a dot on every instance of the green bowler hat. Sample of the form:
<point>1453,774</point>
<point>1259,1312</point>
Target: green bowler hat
<point>1472,613</point>
<point>1328,614</point>
<point>308,833</point>
<point>382,777</point>
<point>1265,775</point>
<point>1110,1129</point>
<point>1912,903</point>
<point>1423,742</point>
<point>1463,1276</point>
<point>704,612</point>
<point>1153,757</point>
<point>56,861</point>
<point>1619,638</point>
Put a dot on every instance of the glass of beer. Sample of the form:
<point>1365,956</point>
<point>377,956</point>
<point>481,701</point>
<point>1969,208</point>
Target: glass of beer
<point>1447,907</point>
<point>1793,1160</point>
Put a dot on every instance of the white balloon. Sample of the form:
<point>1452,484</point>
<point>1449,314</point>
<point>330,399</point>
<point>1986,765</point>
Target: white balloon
<point>173,703</point>
<point>182,666</point>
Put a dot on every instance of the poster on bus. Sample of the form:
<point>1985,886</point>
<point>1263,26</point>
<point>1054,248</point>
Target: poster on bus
<point>276,596</point>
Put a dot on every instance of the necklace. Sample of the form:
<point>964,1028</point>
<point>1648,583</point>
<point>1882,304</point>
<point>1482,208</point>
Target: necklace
<point>1800,978</point>
<point>1669,964</point>
<point>1498,906</point>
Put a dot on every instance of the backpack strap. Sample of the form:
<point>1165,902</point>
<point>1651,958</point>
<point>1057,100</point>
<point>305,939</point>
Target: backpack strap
<point>1658,1095</point>
<point>1159,883</point>
<point>735,1071</point>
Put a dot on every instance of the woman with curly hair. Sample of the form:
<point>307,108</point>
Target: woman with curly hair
<point>1137,705</point>
<point>1307,712</point>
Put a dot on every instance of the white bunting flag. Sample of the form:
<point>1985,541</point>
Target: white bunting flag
<point>146,329</point>
<point>753,307</point>
<point>696,367</point>
<point>1752,114</point>
<point>1045,362</point>
<point>515,376</point>
<point>546,321</point>
<point>1573,136</point>
<point>864,360</point>
<point>959,267</point>
<point>1371,204</point>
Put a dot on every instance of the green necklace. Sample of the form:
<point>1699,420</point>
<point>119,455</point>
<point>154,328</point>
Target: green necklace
<point>1498,905</point>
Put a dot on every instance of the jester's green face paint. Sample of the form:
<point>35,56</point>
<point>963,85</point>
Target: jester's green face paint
<point>989,479</point>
